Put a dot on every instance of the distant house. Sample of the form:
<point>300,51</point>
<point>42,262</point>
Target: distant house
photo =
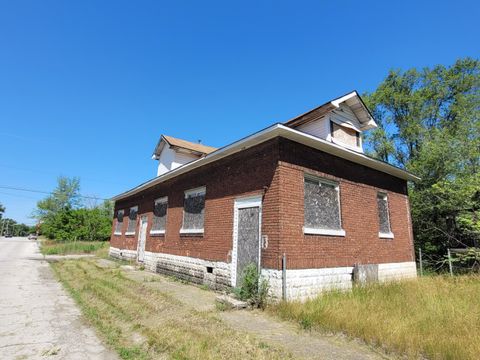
<point>303,190</point>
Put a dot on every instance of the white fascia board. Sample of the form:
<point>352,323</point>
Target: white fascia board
<point>265,135</point>
<point>344,98</point>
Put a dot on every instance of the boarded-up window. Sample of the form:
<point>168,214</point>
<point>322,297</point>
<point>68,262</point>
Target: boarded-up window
<point>194,209</point>
<point>322,204</point>
<point>383,216</point>
<point>132,220</point>
<point>160,215</point>
<point>345,135</point>
<point>119,222</point>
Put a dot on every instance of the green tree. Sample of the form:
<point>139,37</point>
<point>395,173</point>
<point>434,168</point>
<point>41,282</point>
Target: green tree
<point>2,210</point>
<point>65,196</point>
<point>63,217</point>
<point>429,124</point>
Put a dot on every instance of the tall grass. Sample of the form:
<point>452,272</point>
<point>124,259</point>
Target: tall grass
<point>52,247</point>
<point>143,323</point>
<point>437,317</point>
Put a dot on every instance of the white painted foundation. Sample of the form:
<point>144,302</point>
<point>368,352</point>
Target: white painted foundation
<point>302,284</point>
<point>397,271</point>
<point>122,254</point>
<point>185,267</point>
<point>307,283</point>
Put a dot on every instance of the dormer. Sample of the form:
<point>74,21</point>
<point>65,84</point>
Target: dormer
<point>172,153</point>
<point>341,121</point>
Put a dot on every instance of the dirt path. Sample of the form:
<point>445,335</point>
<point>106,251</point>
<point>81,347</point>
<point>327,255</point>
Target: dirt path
<point>38,319</point>
<point>269,330</point>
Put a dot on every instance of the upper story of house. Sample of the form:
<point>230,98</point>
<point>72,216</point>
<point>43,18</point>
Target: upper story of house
<point>341,121</point>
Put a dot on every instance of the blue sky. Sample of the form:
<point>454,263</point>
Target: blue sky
<point>87,87</point>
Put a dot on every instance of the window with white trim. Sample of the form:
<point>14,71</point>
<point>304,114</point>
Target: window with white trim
<point>383,216</point>
<point>132,221</point>
<point>119,222</point>
<point>345,135</point>
<point>193,211</point>
<point>159,216</point>
<point>322,207</point>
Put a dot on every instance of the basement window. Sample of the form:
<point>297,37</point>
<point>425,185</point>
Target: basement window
<point>132,221</point>
<point>322,207</point>
<point>193,211</point>
<point>159,216</point>
<point>383,216</point>
<point>119,223</point>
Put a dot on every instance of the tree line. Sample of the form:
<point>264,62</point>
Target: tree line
<point>10,226</point>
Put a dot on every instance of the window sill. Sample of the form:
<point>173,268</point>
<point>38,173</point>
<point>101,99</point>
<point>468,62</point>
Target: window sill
<point>117,233</point>
<point>198,232</point>
<point>385,235</point>
<point>130,233</point>
<point>311,231</point>
<point>157,233</point>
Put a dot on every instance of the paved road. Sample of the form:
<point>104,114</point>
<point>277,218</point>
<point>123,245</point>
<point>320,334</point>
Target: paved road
<point>38,320</point>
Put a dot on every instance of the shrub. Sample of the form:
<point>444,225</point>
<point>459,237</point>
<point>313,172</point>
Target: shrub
<point>253,289</point>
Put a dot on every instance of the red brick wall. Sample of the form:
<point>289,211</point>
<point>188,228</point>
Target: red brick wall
<point>276,169</point>
<point>358,193</point>
<point>247,173</point>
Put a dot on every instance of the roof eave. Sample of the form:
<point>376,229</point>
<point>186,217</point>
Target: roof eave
<point>267,134</point>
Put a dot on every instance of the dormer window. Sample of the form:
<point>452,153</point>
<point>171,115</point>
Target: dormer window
<point>345,135</point>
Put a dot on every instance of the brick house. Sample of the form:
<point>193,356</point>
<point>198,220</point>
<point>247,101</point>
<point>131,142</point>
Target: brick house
<point>302,189</point>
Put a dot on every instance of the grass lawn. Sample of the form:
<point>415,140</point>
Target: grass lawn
<point>52,247</point>
<point>436,317</point>
<point>143,323</point>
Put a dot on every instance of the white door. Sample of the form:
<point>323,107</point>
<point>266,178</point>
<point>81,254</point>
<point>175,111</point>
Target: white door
<point>142,238</point>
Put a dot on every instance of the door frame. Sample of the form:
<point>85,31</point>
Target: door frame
<point>242,203</point>
<point>140,225</point>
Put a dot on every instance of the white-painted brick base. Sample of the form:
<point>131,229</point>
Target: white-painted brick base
<point>397,271</point>
<point>307,283</point>
<point>188,268</point>
<point>122,254</point>
<point>301,283</point>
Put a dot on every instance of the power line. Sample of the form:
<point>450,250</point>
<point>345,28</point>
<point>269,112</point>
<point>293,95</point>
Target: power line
<point>47,192</point>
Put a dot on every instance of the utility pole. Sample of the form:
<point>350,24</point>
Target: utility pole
<point>3,223</point>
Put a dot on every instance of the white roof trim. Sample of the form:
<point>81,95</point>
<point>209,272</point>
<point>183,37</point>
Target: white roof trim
<point>344,98</point>
<point>271,132</point>
<point>365,125</point>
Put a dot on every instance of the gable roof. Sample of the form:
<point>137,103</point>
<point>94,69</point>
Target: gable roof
<point>352,99</point>
<point>196,148</point>
<point>276,130</point>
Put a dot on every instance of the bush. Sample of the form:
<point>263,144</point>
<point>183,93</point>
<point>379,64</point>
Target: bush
<point>253,288</point>
<point>78,224</point>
